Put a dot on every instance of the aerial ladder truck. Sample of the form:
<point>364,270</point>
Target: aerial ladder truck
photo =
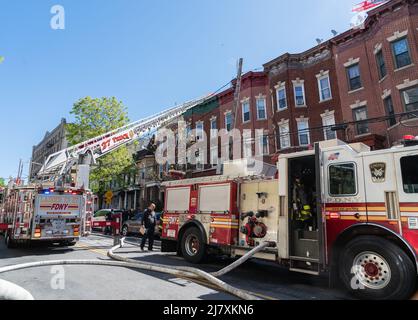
<point>55,209</point>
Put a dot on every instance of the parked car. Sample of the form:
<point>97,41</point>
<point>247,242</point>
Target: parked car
<point>133,225</point>
<point>101,215</point>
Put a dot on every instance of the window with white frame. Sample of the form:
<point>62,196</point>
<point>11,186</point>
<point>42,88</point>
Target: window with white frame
<point>299,89</point>
<point>213,128</point>
<point>228,121</point>
<point>284,135</point>
<point>263,145</point>
<point>199,130</point>
<point>281,98</point>
<point>401,55</point>
<point>261,109</point>
<point>328,121</point>
<point>360,115</point>
<point>324,88</point>
<point>246,111</point>
<point>303,132</point>
<point>199,161</point>
<point>247,148</point>
<point>214,156</point>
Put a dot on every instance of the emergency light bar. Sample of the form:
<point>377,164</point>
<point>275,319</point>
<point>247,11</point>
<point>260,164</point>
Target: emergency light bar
<point>410,140</point>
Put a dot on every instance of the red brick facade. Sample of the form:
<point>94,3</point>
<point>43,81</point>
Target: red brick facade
<point>307,94</point>
<point>387,24</point>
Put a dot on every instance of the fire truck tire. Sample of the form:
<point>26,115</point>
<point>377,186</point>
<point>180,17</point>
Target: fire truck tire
<point>193,247</point>
<point>374,268</point>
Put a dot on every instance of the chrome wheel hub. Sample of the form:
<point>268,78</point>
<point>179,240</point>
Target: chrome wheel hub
<point>192,245</point>
<point>371,270</point>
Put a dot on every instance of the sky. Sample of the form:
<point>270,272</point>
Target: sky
<point>150,54</point>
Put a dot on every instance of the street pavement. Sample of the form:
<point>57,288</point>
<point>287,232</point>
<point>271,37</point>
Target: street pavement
<point>263,279</point>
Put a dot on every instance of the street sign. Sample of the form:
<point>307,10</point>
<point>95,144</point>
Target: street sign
<point>108,197</point>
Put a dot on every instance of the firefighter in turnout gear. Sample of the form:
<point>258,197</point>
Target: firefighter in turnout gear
<point>301,211</point>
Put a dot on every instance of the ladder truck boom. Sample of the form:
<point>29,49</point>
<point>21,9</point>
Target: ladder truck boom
<point>61,162</point>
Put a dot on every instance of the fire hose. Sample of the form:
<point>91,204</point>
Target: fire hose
<point>182,272</point>
<point>10,291</point>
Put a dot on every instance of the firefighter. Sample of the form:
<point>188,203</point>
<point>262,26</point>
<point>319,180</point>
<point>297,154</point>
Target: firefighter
<point>302,210</point>
<point>109,216</point>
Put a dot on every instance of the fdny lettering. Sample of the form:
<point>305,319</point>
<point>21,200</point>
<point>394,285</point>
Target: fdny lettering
<point>59,206</point>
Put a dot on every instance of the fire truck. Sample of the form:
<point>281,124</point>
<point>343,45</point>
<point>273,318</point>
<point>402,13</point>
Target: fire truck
<point>63,211</point>
<point>362,229</point>
<point>31,213</point>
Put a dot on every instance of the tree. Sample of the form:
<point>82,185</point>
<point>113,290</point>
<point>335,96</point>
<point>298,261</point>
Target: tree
<point>93,117</point>
<point>2,183</point>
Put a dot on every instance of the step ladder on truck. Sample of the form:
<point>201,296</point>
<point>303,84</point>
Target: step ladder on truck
<point>340,210</point>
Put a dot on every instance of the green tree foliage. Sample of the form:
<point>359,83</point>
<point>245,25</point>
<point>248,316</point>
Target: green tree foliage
<point>93,117</point>
<point>2,182</point>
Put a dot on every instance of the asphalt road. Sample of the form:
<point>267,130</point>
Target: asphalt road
<point>263,279</point>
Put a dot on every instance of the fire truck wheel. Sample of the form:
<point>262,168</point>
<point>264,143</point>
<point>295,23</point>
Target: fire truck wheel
<point>376,269</point>
<point>193,247</point>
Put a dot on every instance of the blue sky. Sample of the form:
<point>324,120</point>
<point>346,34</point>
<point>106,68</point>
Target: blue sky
<point>149,54</point>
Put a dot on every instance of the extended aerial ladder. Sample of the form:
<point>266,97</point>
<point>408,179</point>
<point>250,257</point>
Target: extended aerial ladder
<point>58,165</point>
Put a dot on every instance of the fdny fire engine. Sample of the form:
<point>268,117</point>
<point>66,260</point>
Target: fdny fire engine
<point>360,227</point>
<point>31,213</point>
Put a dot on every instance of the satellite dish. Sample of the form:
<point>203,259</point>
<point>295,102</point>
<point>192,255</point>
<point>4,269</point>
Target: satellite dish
<point>334,33</point>
<point>319,41</point>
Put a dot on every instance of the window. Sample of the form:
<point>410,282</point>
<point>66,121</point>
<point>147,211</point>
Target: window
<point>300,95</point>
<point>381,66</point>
<point>390,111</point>
<point>342,180</point>
<point>360,114</point>
<point>246,111</point>
<point>401,55</point>
<point>214,156</point>
<point>188,131</point>
<point>228,121</point>
<point>213,128</point>
<point>328,121</point>
<point>264,145</point>
<point>303,132</point>
<point>410,174</point>
<point>199,131</point>
<point>281,98</point>
<point>354,79</point>
<point>324,88</point>
<point>284,135</point>
<point>261,109</point>
<point>410,99</point>
<point>247,149</point>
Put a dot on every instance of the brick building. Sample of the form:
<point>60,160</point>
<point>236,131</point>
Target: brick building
<point>254,112</point>
<point>52,142</point>
<point>305,97</point>
<point>327,92</point>
<point>377,72</point>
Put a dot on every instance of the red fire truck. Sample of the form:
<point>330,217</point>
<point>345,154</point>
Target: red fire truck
<point>361,210</point>
<point>32,213</point>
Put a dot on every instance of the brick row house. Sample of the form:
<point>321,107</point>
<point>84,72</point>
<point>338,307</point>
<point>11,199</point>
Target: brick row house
<point>323,93</point>
<point>377,72</point>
